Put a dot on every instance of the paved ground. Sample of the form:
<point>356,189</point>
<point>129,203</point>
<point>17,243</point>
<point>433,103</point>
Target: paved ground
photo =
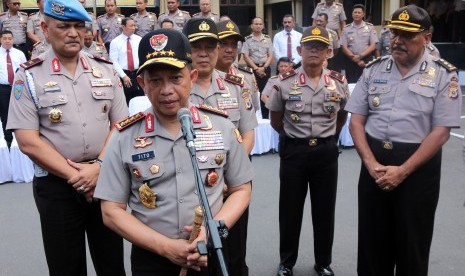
<point>21,250</point>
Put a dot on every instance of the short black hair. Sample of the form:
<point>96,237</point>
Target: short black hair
<point>166,20</point>
<point>359,6</point>
<point>325,15</point>
<point>6,32</point>
<point>125,20</point>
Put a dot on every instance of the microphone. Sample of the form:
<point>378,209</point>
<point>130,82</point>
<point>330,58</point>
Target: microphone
<point>184,116</point>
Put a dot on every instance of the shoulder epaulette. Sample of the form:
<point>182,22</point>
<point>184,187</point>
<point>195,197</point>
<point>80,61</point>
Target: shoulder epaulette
<point>152,13</point>
<point>238,80</point>
<point>125,123</point>
<point>31,63</point>
<point>430,47</point>
<point>249,36</point>
<point>339,4</point>
<point>186,12</point>
<point>369,24</point>
<point>321,3</point>
<point>133,15</point>
<point>196,14</point>
<point>162,13</point>
<point>347,25</point>
<point>214,13</point>
<point>100,16</point>
<point>287,75</point>
<point>32,13</point>
<point>120,15</point>
<point>245,68</point>
<point>274,77</point>
<point>267,36</point>
<point>2,13</point>
<point>376,60</point>
<point>102,59</point>
<point>37,43</point>
<point>214,110</point>
<point>91,13</point>
<point>100,44</point>
<point>23,13</point>
<point>337,76</point>
<point>449,67</point>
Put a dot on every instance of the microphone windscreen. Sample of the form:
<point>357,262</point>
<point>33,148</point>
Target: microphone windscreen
<point>183,112</point>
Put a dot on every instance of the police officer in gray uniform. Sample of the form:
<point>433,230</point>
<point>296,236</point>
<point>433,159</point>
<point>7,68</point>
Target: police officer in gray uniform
<point>39,48</point>
<point>215,88</point>
<point>93,25</point>
<point>61,109</point>
<point>33,30</point>
<point>358,43</point>
<point>15,21</point>
<point>306,108</point>
<point>383,47</point>
<point>145,21</point>
<point>109,23</point>
<point>258,54</point>
<point>147,165</point>
<point>403,108</point>
<point>206,11</point>
<point>336,14</point>
<point>92,47</point>
<point>176,15</point>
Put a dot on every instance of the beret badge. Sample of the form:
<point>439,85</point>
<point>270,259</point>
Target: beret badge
<point>204,26</point>
<point>58,8</point>
<point>404,16</point>
<point>230,26</point>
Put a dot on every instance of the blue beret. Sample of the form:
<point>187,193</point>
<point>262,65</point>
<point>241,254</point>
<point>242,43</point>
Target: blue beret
<point>66,10</point>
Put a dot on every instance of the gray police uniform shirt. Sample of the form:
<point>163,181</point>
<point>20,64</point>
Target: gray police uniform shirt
<point>89,101</point>
<point>250,85</point>
<point>16,24</point>
<point>335,12</point>
<point>179,19</point>
<point>211,15</point>
<point>145,23</point>
<point>384,42</point>
<point>165,165</point>
<point>432,50</point>
<point>93,26</point>
<point>272,81</point>
<point>258,48</point>
<point>109,28</point>
<point>308,112</point>
<point>96,49</point>
<point>33,24</point>
<point>358,38</point>
<point>405,109</point>
<point>227,97</point>
<point>39,48</point>
<point>333,42</point>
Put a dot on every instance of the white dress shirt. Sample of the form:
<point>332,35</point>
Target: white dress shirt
<point>118,52</point>
<point>280,45</point>
<point>17,57</point>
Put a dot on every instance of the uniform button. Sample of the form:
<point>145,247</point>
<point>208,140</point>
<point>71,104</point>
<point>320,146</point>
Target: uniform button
<point>75,83</point>
<point>79,104</point>
<point>181,200</point>
<point>87,146</point>
<point>178,170</point>
<point>84,124</point>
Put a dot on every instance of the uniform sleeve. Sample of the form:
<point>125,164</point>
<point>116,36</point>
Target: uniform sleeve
<point>343,40</point>
<point>270,49</point>
<point>238,168</point>
<point>94,24</point>
<point>315,13</point>
<point>22,113</point>
<point>358,101</point>
<point>267,90</point>
<point>342,15</point>
<point>114,183</point>
<point>275,102</point>
<point>245,47</point>
<point>119,108</point>
<point>374,36</point>
<point>248,120</point>
<point>448,104</point>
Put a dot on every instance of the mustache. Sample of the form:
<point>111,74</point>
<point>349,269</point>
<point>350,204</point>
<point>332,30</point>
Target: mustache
<point>399,48</point>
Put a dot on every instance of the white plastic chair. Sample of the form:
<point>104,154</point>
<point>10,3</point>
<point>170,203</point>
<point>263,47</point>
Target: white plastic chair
<point>5,165</point>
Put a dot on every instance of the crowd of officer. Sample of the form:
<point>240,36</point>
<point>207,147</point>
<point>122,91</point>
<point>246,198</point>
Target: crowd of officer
<point>92,160</point>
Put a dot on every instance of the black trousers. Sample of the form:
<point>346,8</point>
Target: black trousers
<point>261,83</point>
<point>146,263</point>
<point>66,218</point>
<point>134,90</point>
<point>396,227</point>
<point>5,92</point>
<point>353,71</point>
<point>306,167</point>
<point>236,246</point>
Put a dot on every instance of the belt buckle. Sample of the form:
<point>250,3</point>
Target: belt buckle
<point>313,142</point>
<point>388,145</point>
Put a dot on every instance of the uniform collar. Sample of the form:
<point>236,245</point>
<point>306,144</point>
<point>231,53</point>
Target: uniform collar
<point>55,67</point>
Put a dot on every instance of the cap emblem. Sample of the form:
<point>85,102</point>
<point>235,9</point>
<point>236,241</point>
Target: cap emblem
<point>158,42</point>
<point>58,8</point>
<point>316,31</point>
<point>230,26</point>
<point>204,26</point>
<point>404,16</point>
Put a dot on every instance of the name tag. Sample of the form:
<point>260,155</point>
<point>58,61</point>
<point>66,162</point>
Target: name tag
<point>143,156</point>
<point>52,89</point>
<point>294,98</point>
<point>100,83</point>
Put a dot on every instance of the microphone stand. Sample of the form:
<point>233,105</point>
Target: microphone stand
<point>213,227</point>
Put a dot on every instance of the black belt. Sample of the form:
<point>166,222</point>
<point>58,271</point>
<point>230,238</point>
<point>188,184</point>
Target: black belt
<point>260,64</point>
<point>311,142</point>
<point>19,45</point>
<point>6,85</point>
<point>389,145</point>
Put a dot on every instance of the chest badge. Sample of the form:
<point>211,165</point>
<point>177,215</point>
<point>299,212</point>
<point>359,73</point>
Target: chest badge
<point>376,102</point>
<point>154,169</point>
<point>295,88</point>
<point>212,178</point>
<point>295,118</point>
<point>96,72</point>
<point>55,115</point>
<point>147,196</point>
<point>219,158</point>
<point>142,142</point>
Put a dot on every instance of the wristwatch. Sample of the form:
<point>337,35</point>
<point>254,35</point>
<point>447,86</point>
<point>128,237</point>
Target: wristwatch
<point>98,161</point>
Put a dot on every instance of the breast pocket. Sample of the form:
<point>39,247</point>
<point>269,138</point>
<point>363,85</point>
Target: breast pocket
<point>377,95</point>
<point>295,106</point>
<point>151,172</point>
<point>211,165</point>
<point>422,98</point>
<point>52,105</point>
<point>103,96</point>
